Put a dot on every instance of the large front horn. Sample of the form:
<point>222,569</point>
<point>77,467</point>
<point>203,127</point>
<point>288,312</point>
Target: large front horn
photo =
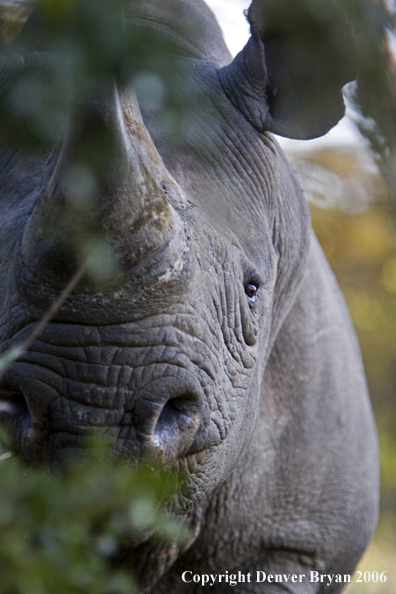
<point>108,184</point>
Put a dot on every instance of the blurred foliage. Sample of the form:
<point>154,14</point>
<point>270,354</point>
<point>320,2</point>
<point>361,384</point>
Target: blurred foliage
<point>342,177</point>
<point>63,532</point>
<point>59,73</point>
<point>82,47</point>
<point>374,95</point>
<point>373,23</point>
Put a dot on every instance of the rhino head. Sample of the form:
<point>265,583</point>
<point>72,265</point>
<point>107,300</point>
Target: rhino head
<point>204,224</point>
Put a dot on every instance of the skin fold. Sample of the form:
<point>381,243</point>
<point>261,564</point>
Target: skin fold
<point>222,345</point>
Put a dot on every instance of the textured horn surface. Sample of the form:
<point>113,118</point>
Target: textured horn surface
<point>108,184</point>
<point>13,15</point>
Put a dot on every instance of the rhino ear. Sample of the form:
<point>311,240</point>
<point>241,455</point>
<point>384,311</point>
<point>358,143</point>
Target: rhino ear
<point>289,77</point>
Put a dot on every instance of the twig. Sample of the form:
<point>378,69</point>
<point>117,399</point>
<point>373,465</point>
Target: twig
<point>14,352</point>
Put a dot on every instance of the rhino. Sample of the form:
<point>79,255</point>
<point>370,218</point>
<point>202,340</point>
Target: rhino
<point>221,345</point>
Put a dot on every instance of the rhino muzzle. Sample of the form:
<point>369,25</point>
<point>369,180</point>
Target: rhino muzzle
<point>162,421</point>
<point>131,205</point>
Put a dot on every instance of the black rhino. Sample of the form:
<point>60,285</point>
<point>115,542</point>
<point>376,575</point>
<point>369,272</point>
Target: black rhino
<point>222,345</point>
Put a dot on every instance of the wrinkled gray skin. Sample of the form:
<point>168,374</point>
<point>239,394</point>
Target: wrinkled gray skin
<point>260,399</point>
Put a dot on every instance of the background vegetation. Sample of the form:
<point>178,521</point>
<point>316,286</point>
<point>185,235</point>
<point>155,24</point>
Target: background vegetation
<point>63,533</point>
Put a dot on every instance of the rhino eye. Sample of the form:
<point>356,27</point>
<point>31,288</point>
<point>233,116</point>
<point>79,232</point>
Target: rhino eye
<point>251,291</point>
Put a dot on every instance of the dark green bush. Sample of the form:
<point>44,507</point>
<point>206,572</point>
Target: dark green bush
<point>61,532</point>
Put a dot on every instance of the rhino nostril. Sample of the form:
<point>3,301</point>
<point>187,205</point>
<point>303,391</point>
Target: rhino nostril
<point>14,411</point>
<point>13,403</point>
<point>178,411</point>
<point>177,425</point>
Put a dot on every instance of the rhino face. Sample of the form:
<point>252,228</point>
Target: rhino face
<point>208,231</point>
<point>167,360</point>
